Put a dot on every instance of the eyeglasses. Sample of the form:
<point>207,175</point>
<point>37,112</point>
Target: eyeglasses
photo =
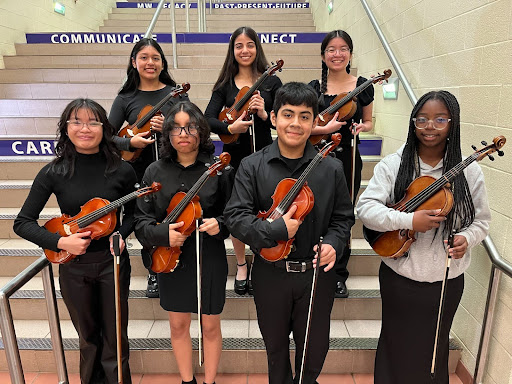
<point>332,51</point>
<point>438,123</point>
<point>189,130</point>
<point>77,125</point>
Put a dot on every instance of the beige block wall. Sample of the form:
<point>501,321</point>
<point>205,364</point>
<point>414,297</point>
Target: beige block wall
<point>463,46</point>
<point>31,16</point>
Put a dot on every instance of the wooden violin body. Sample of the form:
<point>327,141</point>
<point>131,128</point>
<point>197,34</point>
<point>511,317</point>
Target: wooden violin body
<point>346,106</point>
<point>183,207</point>
<point>166,259</point>
<point>396,243</point>
<point>425,193</point>
<point>305,200</point>
<point>143,123</point>
<point>241,103</point>
<point>97,215</point>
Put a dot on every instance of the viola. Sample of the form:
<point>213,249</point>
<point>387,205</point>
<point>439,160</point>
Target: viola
<point>143,123</point>
<point>184,207</point>
<point>290,191</point>
<point>425,192</point>
<point>241,104</point>
<point>97,215</point>
<point>345,104</point>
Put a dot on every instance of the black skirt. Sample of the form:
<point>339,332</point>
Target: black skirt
<point>409,320</point>
<point>178,289</point>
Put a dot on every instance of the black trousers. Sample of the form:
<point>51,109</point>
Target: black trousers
<point>409,320</point>
<point>282,303</point>
<point>87,287</point>
<point>346,157</point>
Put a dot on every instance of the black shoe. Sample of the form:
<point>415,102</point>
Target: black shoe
<point>241,286</point>
<point>341,290</point>
<point>250,290</point>
<point>152,288</point>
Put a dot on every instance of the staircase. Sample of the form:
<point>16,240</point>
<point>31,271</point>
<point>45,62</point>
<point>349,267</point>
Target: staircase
<point>34,89</point>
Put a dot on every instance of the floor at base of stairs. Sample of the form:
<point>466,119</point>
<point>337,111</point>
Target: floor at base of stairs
<point>259,378</point>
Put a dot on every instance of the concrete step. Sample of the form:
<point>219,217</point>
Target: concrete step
<point>219,23</point>
<point>224,11</point>
<point>352,347</point>
<point>165,16</point>
<point>210,29</point>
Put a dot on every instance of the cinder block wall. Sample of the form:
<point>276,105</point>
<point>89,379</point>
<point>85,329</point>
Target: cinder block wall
<point>464,47</point>
<point>29,16</point>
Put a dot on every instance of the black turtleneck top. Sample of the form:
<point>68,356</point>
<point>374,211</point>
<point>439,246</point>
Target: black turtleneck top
<point>87,182</point>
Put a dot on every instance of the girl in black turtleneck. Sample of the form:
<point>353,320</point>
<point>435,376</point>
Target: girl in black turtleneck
<point>87,165</point>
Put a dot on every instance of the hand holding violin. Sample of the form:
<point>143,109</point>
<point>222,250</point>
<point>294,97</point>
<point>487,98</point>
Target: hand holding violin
<point>157,122</point>
<point>76,243</point>
<point>292,225</point>
<point>176,239</point>
<point>121,244</point>
<point>460,246</point>
<point>257,105</point>
<point>210,226</point>
<point>240,125</point>
<point>427,219</point>
<point>327,256</point>
<point>141,140</point>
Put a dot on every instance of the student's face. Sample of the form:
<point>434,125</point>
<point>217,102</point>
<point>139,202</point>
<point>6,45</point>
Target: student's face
<point>293,125</point>
<point>340,56</point>
<point>181,140</point>
<point>244,50</point>
<point>148,63</point>
<point>430,137</point>
<point>85,137</point>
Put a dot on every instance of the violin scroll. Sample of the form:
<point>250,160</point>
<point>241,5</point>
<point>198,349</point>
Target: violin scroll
<point>497,143</point>
<point>224,159</point>
<point>155,187</point>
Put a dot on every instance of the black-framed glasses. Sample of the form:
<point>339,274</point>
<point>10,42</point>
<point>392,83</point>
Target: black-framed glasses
<point>77,125</point>
<point>438,123</point>
<point>189,130</point>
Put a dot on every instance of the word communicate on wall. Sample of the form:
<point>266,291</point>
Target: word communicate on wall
<point>191,38</point>
<point>253,5</point>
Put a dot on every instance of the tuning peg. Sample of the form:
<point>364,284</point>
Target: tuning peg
<point>219,173</point>
<point>137,185</point>
<point>474,147</point>
<point>280,69</point>
<point>484,142</point>
<point>501,153</point>
<point>272,62</point>
<point>491,157</point>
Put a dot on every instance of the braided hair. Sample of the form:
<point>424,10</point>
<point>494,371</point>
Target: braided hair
<point>327,39</point>
<point>463,211</point>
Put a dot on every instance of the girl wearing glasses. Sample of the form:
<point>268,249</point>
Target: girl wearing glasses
<point>147,82</point>
<point>87,165</point>
<point>187,152</point>
<point>336,52</point>
<point>410,285</point>
<point>244,64</point>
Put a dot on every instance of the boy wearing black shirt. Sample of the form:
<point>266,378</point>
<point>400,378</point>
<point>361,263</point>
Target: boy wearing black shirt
<point>282,296</point>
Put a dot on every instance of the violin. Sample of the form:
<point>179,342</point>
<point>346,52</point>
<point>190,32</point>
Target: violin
<point>184,207</point>
<point>241,104</point>
<point>143,123</point>
<point>97,215</point>
<point>345,104</point>
<point>425,192</point>
<point>290,191</point>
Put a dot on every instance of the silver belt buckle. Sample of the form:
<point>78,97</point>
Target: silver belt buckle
<point>302,266</point>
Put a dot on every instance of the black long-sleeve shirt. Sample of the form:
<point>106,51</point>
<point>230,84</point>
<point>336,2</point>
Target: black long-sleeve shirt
<point>88,181</point>
<point>225,97</point>
<point>257,177</point>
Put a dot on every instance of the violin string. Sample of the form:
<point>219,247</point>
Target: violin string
<point>180,207</point>
<point>249,93</point>
<point>333,108</point>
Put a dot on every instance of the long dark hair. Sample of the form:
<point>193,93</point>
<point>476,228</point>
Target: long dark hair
<point>325,42</point>
<point>65,151</point>
<point>132,76</point>
<point>197,118</point>
<point>230,68</point>
<point>463,212</point>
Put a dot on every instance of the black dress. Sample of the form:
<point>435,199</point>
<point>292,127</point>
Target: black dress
<point>178,291</point>
<point>225,97</point>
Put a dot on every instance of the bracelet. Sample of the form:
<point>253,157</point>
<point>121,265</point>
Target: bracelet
<point>229,129</point>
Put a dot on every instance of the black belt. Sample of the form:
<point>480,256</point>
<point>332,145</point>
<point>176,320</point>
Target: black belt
<point>292,265</point>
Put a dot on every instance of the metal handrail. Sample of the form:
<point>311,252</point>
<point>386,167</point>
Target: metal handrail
<point>152,23</point>
<point>499,265</point>
<point>12,351</point>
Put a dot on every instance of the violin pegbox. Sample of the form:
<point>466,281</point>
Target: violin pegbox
<point>497,143</point>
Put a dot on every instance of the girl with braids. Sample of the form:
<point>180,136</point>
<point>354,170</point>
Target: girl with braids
<point>147,82</point>
<point>87,165</point>
<point>244,64</point>
<point>187,152</point>
<point>410,286</point>
<point>336,51</point>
